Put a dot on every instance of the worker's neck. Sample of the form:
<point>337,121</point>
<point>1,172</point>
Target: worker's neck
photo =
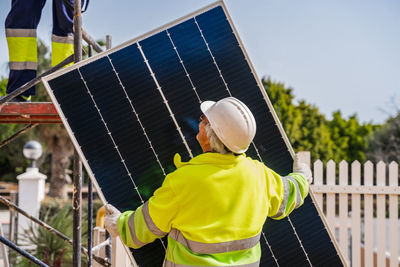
<point>206,147</point>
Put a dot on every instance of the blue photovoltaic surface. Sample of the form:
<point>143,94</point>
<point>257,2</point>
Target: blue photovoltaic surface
<point>125,108</point>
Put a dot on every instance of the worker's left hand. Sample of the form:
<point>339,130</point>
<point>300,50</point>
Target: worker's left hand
<point>302,168</point>
<point>111,219</point>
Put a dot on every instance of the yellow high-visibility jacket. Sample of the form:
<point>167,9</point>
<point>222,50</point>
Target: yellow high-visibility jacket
<point>213,208</point>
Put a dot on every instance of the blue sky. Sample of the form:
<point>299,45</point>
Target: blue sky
<point>336,54</point>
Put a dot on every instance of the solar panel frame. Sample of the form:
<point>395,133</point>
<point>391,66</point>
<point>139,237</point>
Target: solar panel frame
<point>143,37</point>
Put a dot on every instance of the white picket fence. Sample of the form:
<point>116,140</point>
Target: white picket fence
<point>357,206</point>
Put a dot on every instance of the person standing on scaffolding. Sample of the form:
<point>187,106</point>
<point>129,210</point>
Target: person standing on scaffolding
<point>21,24</point>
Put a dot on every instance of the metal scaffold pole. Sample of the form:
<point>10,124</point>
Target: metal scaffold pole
<point>108,236</point>
<point>77,195</point>
<point>20,132</point>
<point>90,221</point>
<point>22,252</point>
<point>77,210</point>
<point>90,206</point>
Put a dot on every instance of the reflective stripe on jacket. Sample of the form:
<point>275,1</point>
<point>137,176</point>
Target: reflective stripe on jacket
<point>213,208</point>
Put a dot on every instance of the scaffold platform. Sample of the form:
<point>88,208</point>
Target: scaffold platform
<point>29,113</point>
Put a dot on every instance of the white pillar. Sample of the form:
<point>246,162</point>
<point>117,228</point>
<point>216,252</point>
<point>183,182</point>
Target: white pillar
<point>31,190</point>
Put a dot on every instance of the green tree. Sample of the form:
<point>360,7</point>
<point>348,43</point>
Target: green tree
<point>384,143</point>
<point>282,100</point>
<point>350,136</point>
<point>314,134</point>
<point>3,86</point>
<point>308,129</point>
<point>304,125</point>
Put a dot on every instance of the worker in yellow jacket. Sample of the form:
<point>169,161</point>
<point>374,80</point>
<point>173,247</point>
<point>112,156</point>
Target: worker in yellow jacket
<point>213,207</point>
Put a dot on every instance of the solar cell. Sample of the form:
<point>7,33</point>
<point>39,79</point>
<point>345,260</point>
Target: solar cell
<point>130,109</point>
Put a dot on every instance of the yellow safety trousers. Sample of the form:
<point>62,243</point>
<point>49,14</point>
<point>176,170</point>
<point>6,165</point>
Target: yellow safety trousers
<point>22,48</point>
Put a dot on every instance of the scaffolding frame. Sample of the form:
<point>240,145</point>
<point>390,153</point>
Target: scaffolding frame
<point>33,114</point>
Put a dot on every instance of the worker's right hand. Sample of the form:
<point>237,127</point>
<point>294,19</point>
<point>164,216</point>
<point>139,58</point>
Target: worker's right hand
<point>111,219</point>
<point>302,168</point>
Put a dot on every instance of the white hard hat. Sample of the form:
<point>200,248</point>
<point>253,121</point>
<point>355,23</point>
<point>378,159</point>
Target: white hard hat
<point>232,122</point>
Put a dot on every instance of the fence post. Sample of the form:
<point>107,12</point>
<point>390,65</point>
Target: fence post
<point>318,181</point>
<point>380,212</point>
<point>393,214</point>
<point>119,257</point>
<point>343,209</point>
<point>362,256</point>
<point>330,197</point>
<point>355,215</point>
<point>99,236</point>
<point>368,213</point>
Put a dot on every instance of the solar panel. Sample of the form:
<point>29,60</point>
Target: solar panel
<point>130,109</point>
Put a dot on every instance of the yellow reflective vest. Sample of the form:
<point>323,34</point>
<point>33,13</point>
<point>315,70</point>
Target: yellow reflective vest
<point>213,209</point>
